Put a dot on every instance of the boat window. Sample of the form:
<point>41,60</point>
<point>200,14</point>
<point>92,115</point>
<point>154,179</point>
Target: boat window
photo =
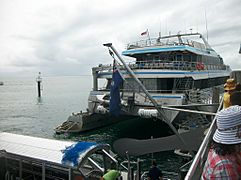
<point>108,84</point>
<point>179,57</point>
<point>165,84</point>
<point>194,58</point>
<point>187,57</point>
<point>131,85</point>
<point>103,83</point>
<point>157,58</point>
<point>150,84</point>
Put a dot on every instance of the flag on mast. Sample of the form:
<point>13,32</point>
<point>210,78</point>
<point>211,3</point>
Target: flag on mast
<point>115,91</point>
<point>144,33</point>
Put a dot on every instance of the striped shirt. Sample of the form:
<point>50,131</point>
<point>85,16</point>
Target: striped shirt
<point>226,167</point>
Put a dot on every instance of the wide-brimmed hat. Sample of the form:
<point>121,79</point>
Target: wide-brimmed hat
<point>228,126</point>
<point>230,85</point>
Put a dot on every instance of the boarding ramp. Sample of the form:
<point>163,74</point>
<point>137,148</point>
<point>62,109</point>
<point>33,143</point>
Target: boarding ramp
<point>26,157</point>
<point>196,168</point>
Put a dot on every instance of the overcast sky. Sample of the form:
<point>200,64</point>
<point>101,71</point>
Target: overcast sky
<point>59,37</point>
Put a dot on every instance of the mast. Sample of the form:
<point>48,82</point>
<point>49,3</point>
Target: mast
<point>206,24</point>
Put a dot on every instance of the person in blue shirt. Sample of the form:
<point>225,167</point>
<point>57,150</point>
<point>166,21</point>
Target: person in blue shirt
<point>154,172</point>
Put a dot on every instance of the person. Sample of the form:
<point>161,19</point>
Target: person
<point>154,172</point>
<point>224,157</point>
<point>235,98</point>
<point>111,175</point>
<point>229,87</point>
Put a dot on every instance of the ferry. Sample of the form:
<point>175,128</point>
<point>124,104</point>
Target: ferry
<point>180,73</point>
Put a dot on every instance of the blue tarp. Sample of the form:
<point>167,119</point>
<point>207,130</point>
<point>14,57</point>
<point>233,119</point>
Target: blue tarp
<point>115,92</point>
<point>72,153</point>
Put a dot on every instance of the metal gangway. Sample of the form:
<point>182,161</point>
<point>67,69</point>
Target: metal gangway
<point>26,157</point>
<point>195,170</point>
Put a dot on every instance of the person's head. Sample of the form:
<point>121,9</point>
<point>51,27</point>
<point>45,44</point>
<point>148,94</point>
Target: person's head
<point>227,136</point>
<point>154,162</point>
<point>235,98</point>
<point>230,85</point>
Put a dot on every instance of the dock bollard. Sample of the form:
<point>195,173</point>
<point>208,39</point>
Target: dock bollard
<point>39,80</point>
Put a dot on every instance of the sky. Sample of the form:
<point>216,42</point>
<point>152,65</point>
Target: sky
<point>65,37</point>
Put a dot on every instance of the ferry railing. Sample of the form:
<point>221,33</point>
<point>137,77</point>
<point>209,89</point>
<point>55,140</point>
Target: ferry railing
<point>160,42</point>
<point>196,167</point>
<point>164,64</point>
<point>130,90</point>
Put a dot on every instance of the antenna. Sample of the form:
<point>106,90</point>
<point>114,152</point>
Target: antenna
<point>185,27</point>
<point>166,25</point>
<point>197,24</point>
<point>206,24</point>
<point>160,33</point>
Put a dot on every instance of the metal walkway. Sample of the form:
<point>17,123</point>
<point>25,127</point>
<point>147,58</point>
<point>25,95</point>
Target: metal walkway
<point>27,157</point>
<point>33,147</point>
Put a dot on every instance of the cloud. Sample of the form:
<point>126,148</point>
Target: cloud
<point>62,37</point>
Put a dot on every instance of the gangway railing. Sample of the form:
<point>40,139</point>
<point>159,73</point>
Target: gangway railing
<point>41,167</point>
<point>196,167</point>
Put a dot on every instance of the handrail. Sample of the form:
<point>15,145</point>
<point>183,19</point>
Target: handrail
<point>165,64</point>
<point>164,41</point>
<point>168,92</point>
<point>42,163</point>
<point>203,149</point>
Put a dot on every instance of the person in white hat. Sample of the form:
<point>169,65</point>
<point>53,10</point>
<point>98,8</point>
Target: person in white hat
<point>224,157</point>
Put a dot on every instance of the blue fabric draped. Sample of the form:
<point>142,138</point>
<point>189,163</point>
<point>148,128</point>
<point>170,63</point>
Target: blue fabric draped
<point>72,153</point>
<point>115,92</point>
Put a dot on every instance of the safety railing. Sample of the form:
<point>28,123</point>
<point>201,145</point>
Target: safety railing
<point>19,166</point>
<point>165,64</point>
<point>159,42</point>
<point>196,167</point>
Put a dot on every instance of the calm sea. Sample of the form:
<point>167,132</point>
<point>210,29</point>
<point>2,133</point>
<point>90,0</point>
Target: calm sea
<point>22,112</point>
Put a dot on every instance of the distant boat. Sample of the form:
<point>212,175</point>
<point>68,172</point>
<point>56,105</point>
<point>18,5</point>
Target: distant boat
<point>1,83</point>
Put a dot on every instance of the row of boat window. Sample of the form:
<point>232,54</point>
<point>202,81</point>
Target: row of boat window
<point>180,57</point>
<point>169,84</point>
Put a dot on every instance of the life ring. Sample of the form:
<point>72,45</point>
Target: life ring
<point>200,66</point>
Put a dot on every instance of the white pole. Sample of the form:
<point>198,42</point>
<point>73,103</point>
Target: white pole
<point>149,37</point>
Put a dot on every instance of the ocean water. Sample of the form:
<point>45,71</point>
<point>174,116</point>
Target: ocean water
<point>22,112</point>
